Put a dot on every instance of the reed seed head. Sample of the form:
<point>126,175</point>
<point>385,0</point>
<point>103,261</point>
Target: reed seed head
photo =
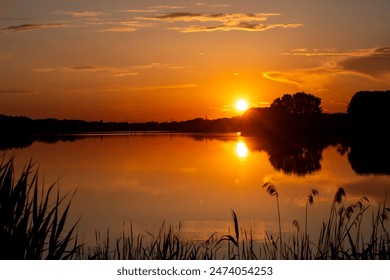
<point>312,194</point>
<point>340,194</point>
<point>271,189</point>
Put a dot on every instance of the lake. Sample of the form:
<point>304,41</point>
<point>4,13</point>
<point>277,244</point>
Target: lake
<point>149,178</point>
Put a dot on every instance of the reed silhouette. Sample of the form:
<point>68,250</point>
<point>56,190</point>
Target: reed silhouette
<point>32,222</point>
<point>33,225</point>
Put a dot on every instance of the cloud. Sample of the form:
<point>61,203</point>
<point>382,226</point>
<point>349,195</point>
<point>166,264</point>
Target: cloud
<point>167,7</point>
<point>120,28</point>
<point>330,52</point>
<point>157,65</point>
<point>376,64</point>
<point>44,70</point>
<point>28,27</point>
<point>114,71</point>
<point>213,5</point>
<point>218,17</point>
<point>313,79</point>
<point>87,68</point>
<point>83,13</point>
<point>111,71</point>
<point>140,11</point>
<point>126,74</point>
<point>371,64</point>
<point>220,5</point>
<point>382,52</point>
<point>227,21</point>
<point>229,27</point>
<point>126,26</point>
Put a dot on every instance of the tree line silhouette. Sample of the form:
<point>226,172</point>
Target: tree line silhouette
<point>293,131</point>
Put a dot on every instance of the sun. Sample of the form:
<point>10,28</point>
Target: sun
<point>241,105</point>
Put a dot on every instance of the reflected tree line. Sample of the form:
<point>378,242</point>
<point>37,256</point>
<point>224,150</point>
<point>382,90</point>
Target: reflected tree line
<point>369,122</point>
<point>293,131</point>
<point>297,132</point>
<point>294,158</point>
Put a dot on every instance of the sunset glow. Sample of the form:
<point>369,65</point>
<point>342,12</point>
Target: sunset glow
<point>241,105</point>
<point>144,61</point>
<point>242,150</point>
<point>169,121</point>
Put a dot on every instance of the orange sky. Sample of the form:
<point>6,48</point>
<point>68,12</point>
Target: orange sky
<point>176,60</point>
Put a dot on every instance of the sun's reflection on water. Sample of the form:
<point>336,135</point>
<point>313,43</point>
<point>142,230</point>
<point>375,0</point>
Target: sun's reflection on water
<point>241,149</point>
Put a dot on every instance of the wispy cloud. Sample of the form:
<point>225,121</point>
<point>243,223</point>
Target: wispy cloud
<point>166,7</point>
<point>44,70</point>
<point>376,64</point>
<point>157,65</point>
<point>212,5</point>
<point>218,17</point>
<point>86,68</point>
<point>29,27</point>
<point>82,13</point>
<point>141,11</point>
<point>220,5</point>
<point>330,52</point>
<point>197,22</point>
<point>229,27</point>
<point>126,26</point>
<point>371,64</point>
<point>105,70</point>
<point>313,79</point>
<point>225,21</point>
<point>112,71</point>
<point>125,74</point>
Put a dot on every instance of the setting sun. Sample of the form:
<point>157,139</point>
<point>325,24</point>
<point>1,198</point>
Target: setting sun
<point>241,105</point>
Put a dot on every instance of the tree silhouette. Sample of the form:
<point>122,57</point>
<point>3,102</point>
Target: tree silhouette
<point>369,108</point>
<point>369,119</point>
<point>301,162</point>
<point>299,103</point>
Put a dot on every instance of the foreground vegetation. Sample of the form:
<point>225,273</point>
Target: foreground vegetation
<point>33,225</point>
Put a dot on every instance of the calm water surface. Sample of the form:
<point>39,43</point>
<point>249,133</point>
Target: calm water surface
<point>196,180</point>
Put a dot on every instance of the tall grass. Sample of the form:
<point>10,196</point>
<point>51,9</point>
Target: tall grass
<point>341,236</point>
<point>32,219</point>
<point>33,225</point>
<point>271,190</point>
<point>166,245</point>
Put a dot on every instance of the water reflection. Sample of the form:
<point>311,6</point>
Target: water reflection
<point>242,150</point>
<point>290,158</point>
<point>370,157</point>
<point>299,162</point>
<point>9,142</point>
<point>197,180</point>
